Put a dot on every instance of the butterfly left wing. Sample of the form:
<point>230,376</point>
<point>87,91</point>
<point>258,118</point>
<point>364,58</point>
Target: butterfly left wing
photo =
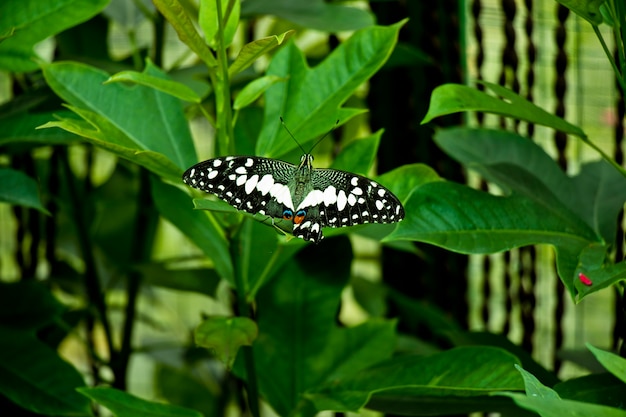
<point>252,184</point>
<point>340,199</point>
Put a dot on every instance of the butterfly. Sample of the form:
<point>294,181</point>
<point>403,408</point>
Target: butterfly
<point>311,198</point>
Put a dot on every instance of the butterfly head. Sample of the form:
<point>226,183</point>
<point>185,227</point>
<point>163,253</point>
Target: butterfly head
<point>306,161</point>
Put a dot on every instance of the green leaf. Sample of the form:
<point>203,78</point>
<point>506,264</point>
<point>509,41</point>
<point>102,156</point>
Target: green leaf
<point>587,9</point>
<point>296,319</point>
<point>22,129</point>
<point>175,13</point>
<point>552,407</point>
<point>251,92</point>
<point>445,382</point>
<point>465,220</point>
<point>20,190</point>
<point>359,155</point>
<point>100,132</point>
<point>214,205</point>
<point>310,100</point>
<point>594,388</point>
<point>612,362</point>
<point>454,98</point>
<point>208,20</point>
<point>200,227</point>
<point>33,376</point>
<point>595,195</point>
<point>255,49</point>
<point>31,21</point>
<point>157,122</point>
<point>547,403</point>
<point>225,335</point>
<point>534,388</point>
<point>594,264</point>
<point>172,88</point>
<point>123,404</point>
<point>314,14</point>
<point>460,338</point>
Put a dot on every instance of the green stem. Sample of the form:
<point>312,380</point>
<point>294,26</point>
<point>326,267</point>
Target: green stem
<point>605,156</point>
<point>609,56</point>
<point>222,90</point>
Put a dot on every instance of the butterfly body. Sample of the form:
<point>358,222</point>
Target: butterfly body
<point>311,198</point>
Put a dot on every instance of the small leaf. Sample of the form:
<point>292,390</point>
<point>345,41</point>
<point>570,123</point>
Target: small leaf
<point>454,98</point>
<point>175,13</point>
<point>172,88</point>
<point>593,264</point>
<point>612,362</point>
<point>123,404</point>
<point>225,335</point>
<point>255,49</point>
<point>251,92</point>
<point>552,407</point>
<point>534,388</point>
<point>208,20</point>
<point>19,189</point>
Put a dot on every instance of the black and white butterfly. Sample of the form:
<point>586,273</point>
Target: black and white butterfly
<point>311,198</point>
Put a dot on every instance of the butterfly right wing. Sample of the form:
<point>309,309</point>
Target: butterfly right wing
<point>252,184</point>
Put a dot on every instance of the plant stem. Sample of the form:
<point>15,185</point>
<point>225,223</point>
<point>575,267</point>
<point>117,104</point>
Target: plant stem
<point>143,236</point>
<point>222,91</point>
<point>609,56</point>
<point>95,295</point>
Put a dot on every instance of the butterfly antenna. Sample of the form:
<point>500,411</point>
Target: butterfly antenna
<point>316,143</point>
<point>291,134</point>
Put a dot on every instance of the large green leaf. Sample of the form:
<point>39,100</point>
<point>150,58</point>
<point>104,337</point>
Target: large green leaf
<point>454,381</point>
<point>123,404</point>
<point>100,132</point>
<point>314,14</point>
<point>149,119</point>
<point>31,21</point>
<point>299,345</point>
<point>465,220</point>
<point>20,189</point>
<point>311,98</point>
<point>595,195</point>
<point>453,98</point>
